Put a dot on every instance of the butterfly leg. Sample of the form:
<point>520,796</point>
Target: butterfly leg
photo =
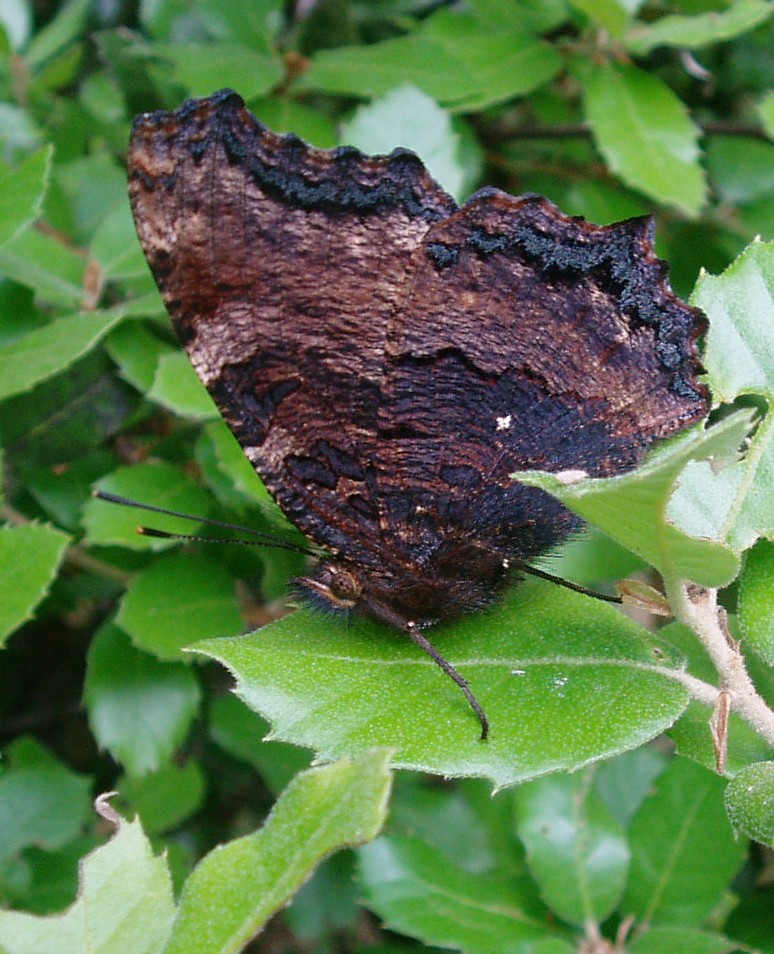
<point>424,643</point>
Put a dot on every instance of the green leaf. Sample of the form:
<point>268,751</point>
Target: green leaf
<point>564,680</point>
<point>464,822</point>
<point>750,802</point>
<point>136,351</point>
<point>177,386</point>
<point>739,352</point>
<point>64,28</point>
<point>737,503</point>
<point>47,351</point>
<point>685,940</point>
<point>258,23</point>
<point>160,485</point>
<point>139,709</point>
<point>50,268</point>
<point>178,600</point>
<point>632,508</point>
<point>241,732</point>
<point>741,169</point>
<point>611,15</point>
<point>115,246</point>
<point>407,117</point>
<point>166,798</point>
<point>233,478</point>
<point>645,134</point>
<point>16,20</point>
<point>752,920</point>
<point>537,16</point>
<point>453,59</point>
<point>623,782</point>
<point>200,69</point>
<point>95,186</point>
<point>576,850</point>
<point>694,32</point>
<point>766,113</point>
<point>502,63</point>
<point>30,556</point>
<point>417,891</point>
<point>683,850</point>
<point>124,903</point>
<point>247,880</point>
<point>21,193</point>
<point>65,416</point>
<point>755,608</point>
<point>42,802</point>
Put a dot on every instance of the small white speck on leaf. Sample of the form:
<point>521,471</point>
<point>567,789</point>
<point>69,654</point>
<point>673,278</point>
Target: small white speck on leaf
<point>570,476</point>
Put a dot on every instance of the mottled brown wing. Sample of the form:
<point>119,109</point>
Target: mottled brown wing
<point>525,339</point>
<point>281,265</point>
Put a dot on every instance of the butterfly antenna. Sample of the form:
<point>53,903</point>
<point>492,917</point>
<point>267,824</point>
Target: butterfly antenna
<point>259,539</point>
<point>575,587</point>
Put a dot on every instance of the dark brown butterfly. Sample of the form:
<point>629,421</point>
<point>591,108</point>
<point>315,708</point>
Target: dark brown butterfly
<point>387,359</point>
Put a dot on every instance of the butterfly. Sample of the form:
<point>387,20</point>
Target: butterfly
<point>387,358</point>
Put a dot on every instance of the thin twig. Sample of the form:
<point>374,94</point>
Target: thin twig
<point>698,609</point>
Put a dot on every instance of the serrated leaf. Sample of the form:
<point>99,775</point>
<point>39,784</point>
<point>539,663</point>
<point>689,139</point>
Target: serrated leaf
<point>503,63</point>
<point>21,193</point>
<point>690,33</point>
<point>683,820</point>
<point>645,134</point>
<point>750,802</point>
<point>409,118</point>
<point>417,891</point>
<point>564,680</point>
<point>632,508</point>
<point>248,879</point>
<point>29,559</point>
<point>42,802</point>
<point>139,709</point>
<point>755,607</point>
<point>576,850</point>
<point>453,58</point>
<point>125,903</point>
<point>737,503</point>
<point>178,600</point>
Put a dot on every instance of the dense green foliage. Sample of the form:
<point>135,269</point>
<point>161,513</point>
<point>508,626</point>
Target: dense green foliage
<point>115,671</point>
